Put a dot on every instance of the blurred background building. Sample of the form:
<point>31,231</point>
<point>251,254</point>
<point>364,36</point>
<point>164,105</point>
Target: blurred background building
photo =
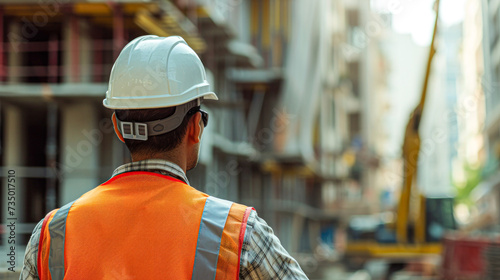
<point>314,100</point>
<point>297,132</point>
<point>481,98</point>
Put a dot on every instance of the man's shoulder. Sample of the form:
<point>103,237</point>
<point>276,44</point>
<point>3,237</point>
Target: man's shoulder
<point>236,210</point>
<point>233,204</point>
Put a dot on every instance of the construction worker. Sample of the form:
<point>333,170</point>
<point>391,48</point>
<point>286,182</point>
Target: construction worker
<point>147,222</point>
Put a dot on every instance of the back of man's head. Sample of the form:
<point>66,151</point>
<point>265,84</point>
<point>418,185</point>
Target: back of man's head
<point>155,85</point>
<point>156,144</point>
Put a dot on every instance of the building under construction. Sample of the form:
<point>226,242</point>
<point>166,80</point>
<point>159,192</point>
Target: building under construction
<point>290,135</point>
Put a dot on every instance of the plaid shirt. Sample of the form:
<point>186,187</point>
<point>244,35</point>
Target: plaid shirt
<point>262,256</point>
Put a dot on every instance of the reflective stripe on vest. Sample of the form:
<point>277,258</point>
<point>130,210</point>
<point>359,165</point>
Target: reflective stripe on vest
<point>57,231</point>
<point>215,213</point>
<point>209,237</point>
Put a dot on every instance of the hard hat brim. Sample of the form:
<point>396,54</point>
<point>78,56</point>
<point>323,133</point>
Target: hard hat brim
<point>129,104</point>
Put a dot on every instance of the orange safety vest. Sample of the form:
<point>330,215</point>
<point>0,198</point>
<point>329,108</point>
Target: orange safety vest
<point>143,225</point>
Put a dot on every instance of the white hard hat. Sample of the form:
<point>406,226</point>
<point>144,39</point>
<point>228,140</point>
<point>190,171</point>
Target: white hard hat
<point>156,72</point>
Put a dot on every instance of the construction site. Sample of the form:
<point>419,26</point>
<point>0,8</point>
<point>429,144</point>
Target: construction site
<point>320,106</point>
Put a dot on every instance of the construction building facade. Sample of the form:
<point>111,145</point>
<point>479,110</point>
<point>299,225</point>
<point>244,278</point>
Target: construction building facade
<point>290,134</point>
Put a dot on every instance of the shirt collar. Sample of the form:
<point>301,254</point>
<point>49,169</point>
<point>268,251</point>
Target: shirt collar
<point>153,165</point>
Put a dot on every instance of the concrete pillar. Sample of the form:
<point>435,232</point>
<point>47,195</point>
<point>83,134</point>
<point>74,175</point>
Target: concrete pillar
<point>113,151</point>
<point>85,52</point>
<point>14,158</point>
<point>80,143</point>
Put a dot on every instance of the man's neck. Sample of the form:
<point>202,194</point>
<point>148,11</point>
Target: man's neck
<point>170,156</point>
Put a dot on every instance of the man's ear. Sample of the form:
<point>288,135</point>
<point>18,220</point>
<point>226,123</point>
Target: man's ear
<point>194,128</point>
<point>117,131</point>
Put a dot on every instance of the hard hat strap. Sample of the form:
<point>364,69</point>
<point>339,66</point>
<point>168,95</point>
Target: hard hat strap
<point>142,130</point>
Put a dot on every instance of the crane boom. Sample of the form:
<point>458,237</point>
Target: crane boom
<point>411,150</point>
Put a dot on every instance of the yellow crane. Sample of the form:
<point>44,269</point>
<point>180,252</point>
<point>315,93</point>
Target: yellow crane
<point>413,237</point>
<point>411,150</point>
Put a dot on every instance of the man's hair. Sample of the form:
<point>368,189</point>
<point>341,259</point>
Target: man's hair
<point>159,143</point>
